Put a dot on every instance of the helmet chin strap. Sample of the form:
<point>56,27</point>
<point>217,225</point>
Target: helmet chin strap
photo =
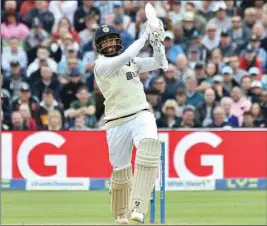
<point>112,55</point>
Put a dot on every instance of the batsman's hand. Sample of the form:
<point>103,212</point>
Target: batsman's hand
<point>157,31</point>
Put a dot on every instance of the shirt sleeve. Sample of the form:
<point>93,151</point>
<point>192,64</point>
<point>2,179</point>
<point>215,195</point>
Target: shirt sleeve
<point>108,66</point>
<point>152,63</point>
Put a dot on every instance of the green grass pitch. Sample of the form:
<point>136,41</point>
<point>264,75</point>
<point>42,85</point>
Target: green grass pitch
<point>92,207</point>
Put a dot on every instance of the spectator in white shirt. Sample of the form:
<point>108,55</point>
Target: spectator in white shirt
<point>13,52</point>
<point>42,55</point>
<point>211,39</point>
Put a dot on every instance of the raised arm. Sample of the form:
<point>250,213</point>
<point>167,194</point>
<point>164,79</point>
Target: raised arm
<point>110,65</point>
<point>153,63</point>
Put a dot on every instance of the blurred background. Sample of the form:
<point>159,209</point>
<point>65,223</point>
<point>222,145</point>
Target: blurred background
<point>216,52</point>
<point>216,81</point>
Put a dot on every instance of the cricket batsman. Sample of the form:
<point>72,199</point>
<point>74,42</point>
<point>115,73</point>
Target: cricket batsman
<point>127,119</point>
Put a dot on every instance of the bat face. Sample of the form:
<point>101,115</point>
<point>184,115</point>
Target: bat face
<point>150,12</point>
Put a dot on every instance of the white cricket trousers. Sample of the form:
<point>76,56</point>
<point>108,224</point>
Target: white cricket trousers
<point>122,138</point>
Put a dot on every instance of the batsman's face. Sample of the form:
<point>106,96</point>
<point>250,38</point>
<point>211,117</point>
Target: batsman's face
<point>110,44</point>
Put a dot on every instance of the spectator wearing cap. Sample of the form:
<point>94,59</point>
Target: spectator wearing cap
<point>25,97</point>
<point>256,89</point>
<point>226,45</point>
<point>256,112</point>
<point>14,82</point>
<point>37,34</point>
<point>228,80</point>
<point>69,90</point>
<point>193,57</point>
<point>226,103</point>
<point>13,52</point>
<point>126,37</point>
<point>188,118</point>
<point>188,24</point>
<point>193,97</point>
<point>196,39</point>
<point>221,20</point>
<point>47,80</point>
<point>175,13</point>
<point>249,59</point>
<point>211,39</point>
<point>169,120</point>
<point>254,73</point>
<point>260,52</point>
<point>48,104</point>
<point>80,14</point>
<point>219,119</point>
<point>84,105</point>
<point>238,33</point>
<point>63,9</point>
<point>240,104</point>
<point>119,12</point>
<point>28,120</point>
<point>11,25</point>
<point>172,50</point>
<point>200,20</point>
<point>218,86</point>
<point>248,121</point>
<point>17,122</point>
<point>87,34</point>
<point>153,98</point>
<point>43,57</point>
<point>204,110</point>
<point>41,12</point>
<point>250,17</point>
<point>239,73</point>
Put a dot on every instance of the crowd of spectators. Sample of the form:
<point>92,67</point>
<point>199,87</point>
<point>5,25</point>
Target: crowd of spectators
<point>216,51</point>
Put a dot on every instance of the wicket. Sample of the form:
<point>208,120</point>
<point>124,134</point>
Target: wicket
<point>162,192</point>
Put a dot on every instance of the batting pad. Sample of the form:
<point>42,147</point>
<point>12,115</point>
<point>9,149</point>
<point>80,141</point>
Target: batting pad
<point>121,184</point>
<point>145,174</point>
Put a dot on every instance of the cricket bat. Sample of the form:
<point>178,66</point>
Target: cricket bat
<point>155,24</point>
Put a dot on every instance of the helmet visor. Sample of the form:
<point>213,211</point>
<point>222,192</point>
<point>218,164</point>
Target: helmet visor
<point>109,45</point>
